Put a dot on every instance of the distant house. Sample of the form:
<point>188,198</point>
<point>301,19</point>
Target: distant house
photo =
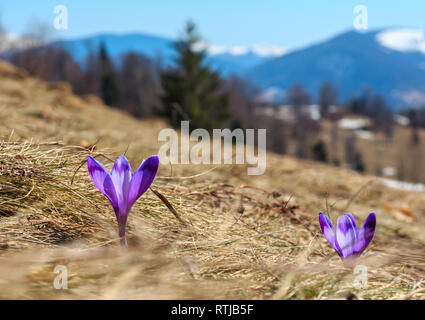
<point>361,125</point>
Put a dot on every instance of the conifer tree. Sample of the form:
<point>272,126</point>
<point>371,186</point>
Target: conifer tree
<point>192,91</point>
<point>108,79</point>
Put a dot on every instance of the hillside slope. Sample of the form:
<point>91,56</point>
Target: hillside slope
<point>242,237</point>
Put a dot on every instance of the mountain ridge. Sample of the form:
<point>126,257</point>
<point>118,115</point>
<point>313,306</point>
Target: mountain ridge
<point>388,61</point>
<point>351,61</point>
<point>157,48</point>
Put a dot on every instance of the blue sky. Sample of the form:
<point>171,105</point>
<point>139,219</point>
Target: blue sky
<point>284,23</point>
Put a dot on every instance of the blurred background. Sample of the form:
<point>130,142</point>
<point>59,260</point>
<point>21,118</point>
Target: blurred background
<point>336,82</point>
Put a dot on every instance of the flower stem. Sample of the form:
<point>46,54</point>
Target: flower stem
<point>121,234</point>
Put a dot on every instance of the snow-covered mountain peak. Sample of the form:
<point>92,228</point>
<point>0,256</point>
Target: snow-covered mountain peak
<point>403,40</point>
<point>13,42</point>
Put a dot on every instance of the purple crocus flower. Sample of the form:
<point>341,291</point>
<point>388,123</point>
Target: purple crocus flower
<point>121,186</point>
<point>347,240</point>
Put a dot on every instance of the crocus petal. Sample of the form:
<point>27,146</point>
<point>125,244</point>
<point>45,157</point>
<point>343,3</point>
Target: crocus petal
<point>97,173</point>
<point>328,231</point>
<point>346,235</point>
<point>111,193</point>
<point>143,178</point>
<point>353,221</point>
<point>121,175</point>
<point>102,180</point>
<point>366,234</point>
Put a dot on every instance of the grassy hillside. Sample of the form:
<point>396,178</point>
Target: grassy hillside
<point>241,237</point>
<point>378,152</point>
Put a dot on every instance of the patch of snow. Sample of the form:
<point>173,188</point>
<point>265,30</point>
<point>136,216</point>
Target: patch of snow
<point>411,97</point>
<point>12,42</point>
<point>352,124</point>
<point>286,112</point>
<point>212,49</point>
<point>238,50</point>
<point>313,111</point>
<point>401,185</point>
<point>262,50</point>
<point>401,120</point>
<point>270,95</point>
<point>388,171</point>
<point>403,40</point>
<point>364,134</point>
<point>269,50</point>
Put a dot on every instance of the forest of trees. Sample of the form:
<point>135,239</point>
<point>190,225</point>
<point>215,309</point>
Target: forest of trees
<point>191,90</point>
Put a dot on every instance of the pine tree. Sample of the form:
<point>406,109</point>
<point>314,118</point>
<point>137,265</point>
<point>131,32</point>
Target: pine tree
<point>327,98</point>
<point>108,79</point>
<point>192,91</point>
<point>320,152</point>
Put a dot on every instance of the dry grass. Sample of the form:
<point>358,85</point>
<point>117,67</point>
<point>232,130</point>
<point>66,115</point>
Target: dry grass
<point>254,237</point>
